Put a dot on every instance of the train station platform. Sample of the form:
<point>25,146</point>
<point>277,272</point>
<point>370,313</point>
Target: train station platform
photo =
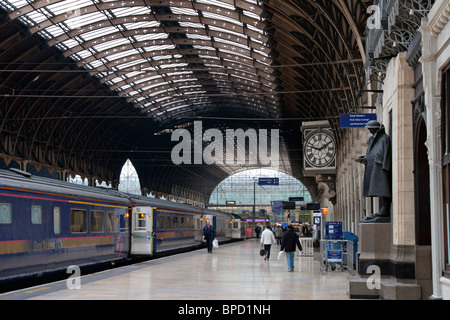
<point>234,271</point>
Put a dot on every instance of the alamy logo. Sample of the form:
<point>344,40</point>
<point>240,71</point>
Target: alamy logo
<point>374,21</point>
<point>374,280</point>
<point>213,153</point>
<point>74,281</point>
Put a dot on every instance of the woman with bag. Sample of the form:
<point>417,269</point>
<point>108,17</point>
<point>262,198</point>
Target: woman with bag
<point>267,239</point>
<point>288,244</point>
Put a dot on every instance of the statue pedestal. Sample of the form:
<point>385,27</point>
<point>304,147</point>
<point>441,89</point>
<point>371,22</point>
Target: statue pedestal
<point>384,270</point>
<point>375,246</point>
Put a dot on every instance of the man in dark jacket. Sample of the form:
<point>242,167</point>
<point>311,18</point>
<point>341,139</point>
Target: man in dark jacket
<point>377,174</point>
<point>288,244</point>
<point>209,234</point>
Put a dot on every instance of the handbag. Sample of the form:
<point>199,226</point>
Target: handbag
<point>281,255</point>
<point>262,251</point>
<point>215,243</point>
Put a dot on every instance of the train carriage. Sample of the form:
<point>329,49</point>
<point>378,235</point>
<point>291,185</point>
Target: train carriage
<point>47,225</point>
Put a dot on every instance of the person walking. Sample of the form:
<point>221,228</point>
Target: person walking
<point>278,234</point>
<point>267,239</point>
<point>209,234</point>
<point>288,243</point>
<point>257,231</point>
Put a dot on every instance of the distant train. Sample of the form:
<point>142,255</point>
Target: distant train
<point>47,225</point>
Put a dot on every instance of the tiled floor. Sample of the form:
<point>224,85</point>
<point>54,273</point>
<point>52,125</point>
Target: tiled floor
<point>234,271</point>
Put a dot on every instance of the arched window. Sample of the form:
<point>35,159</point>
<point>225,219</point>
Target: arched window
<point>129,180</point>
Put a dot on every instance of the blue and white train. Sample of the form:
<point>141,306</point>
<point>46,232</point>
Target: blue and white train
<point>47,225</point>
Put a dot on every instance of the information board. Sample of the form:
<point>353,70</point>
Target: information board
<point>355,120</point>
<point>268,181</point>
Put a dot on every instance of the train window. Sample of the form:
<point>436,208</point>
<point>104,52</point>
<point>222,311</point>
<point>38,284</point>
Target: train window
<point>182,222</point>
<point>97,221</point>
<point>5,213</point>
<point>78,220</point>
<point>36,214</point>
<point>168,222</point>
<point>140,221</point>
<point>57,220</point>
<point>175,223</point>
<point>160,222</point>
<point>112,222</point>
<point>188,223</point>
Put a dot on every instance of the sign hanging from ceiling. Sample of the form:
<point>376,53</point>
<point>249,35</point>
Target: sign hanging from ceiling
<point>268,181</point>
<point>355,120</point>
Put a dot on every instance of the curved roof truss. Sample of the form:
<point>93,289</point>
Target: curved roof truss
<point>164,55</point>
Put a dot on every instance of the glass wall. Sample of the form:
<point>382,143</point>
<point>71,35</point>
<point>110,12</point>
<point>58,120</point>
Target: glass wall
<point>241,187</point>
<point>241,191</point>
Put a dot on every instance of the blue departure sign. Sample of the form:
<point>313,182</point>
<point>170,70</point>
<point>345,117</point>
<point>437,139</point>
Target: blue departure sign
<point>355,120</point>
<point>268,181</point>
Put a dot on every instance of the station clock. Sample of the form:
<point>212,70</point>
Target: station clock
<point>319,148</point>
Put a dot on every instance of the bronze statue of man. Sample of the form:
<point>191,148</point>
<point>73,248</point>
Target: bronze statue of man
<point>377,174</point>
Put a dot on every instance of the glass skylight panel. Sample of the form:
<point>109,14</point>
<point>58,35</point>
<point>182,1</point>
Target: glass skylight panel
<point>117,79</point>
<point>130,64</point>
<point>135,73</point>
<point>231,43</point>
<point>141,25</point>
<point>185,11</point>
<point>96,64</point>
<point>162,57</point>
<point>36,16</point>
<point>130,11</point>
<point>148,79</point>
<point>197,36</point>
<point>218,4</point>
<point>77,21</point>
<point>170,74</point>
<point>122,54</point>
<point>226,32</point>
<point>54,30</point>
<point>185,24</point>
<point>215,16</point>
<point>178,107</point>
<point>255,29</point>
<point>150,37</point>
<point>98,33</point>
<point>111,44</point>
<point>252,15</point>
<point>174,65</point>
<point>15,3</point>
<point>125,87</point>
<point>84,54</point>
<point>70,43</point>
<point>67,6</point>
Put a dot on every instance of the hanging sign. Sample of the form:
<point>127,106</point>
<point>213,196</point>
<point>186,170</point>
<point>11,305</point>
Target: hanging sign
<point>355,120</point>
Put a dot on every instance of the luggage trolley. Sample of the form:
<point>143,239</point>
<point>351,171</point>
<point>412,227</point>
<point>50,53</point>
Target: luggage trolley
<point>333,246</point>
<point>333,254</point>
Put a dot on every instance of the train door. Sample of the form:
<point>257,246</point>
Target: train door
<point>142,231</point>
<point>236,229</point>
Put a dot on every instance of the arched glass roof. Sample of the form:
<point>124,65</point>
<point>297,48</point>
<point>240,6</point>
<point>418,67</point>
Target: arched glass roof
<point>243,189</point>
<point>164,56</point>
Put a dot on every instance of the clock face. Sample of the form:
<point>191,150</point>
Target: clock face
<point>320,149</point>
